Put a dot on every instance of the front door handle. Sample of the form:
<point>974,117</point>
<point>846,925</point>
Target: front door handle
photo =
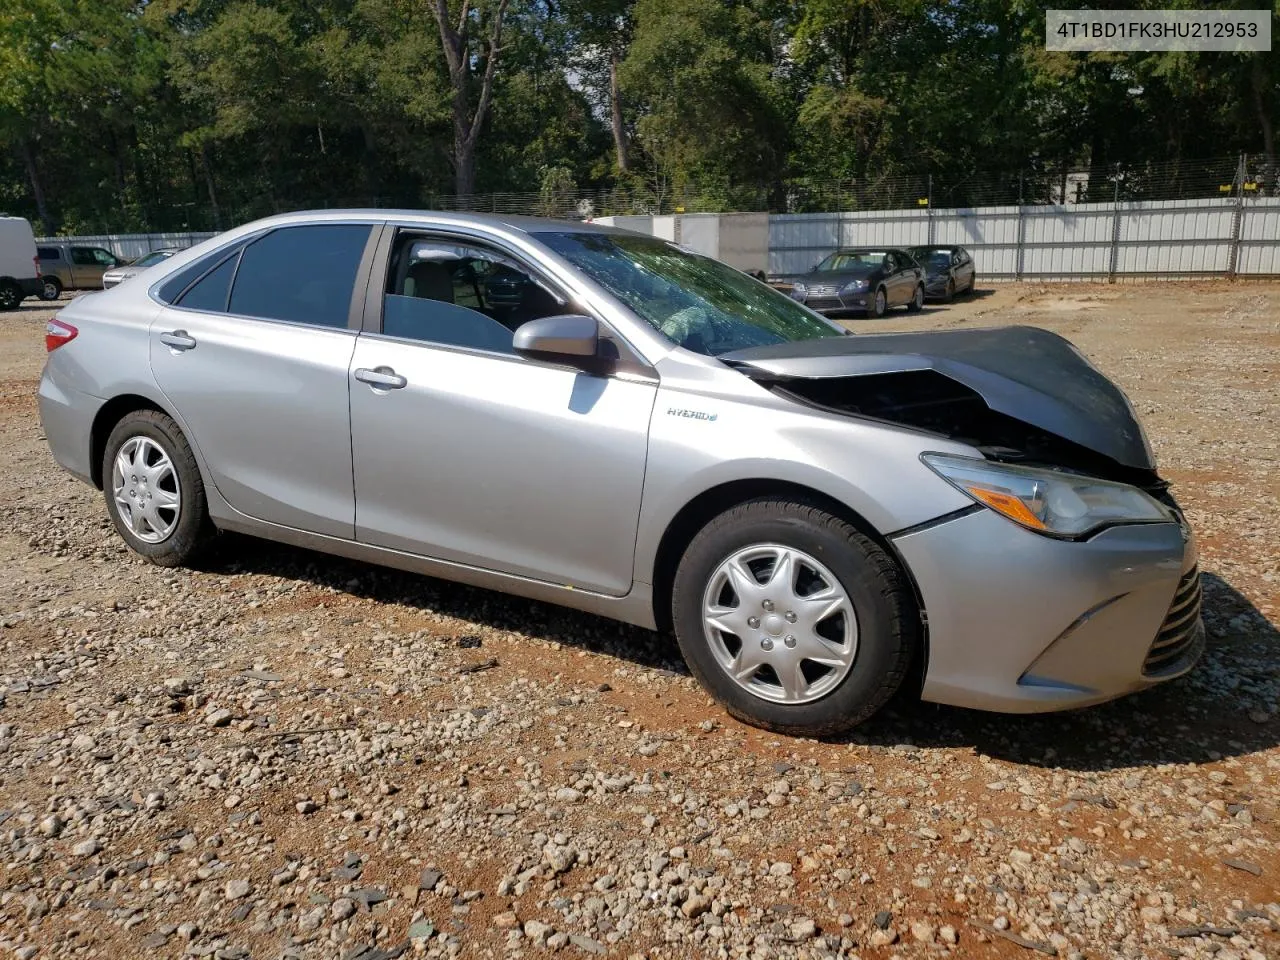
<point>178,339</point>
<point>384,378</point>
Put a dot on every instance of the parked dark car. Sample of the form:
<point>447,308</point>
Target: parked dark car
<point>947,271</point>
<point>866,280</point>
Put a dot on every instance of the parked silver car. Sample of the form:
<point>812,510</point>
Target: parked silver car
<point>127,271</point>
<point>647,434</point>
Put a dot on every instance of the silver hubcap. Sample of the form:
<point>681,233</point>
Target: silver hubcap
<point>880,301</point>
<point>50,290</point>
<point>919,296</point>
<point>780,624</point>
<point>146,489</point>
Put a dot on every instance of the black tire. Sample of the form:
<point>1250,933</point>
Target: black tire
<point>51,288</point>
<point>973,285</point>
<point>916,303</point>
<point>888,627</point>
<point>193,528</point>
<point>879,302</point>
<point>10,295</point>
<point>950,292</point>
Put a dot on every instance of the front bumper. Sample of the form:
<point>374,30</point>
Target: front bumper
<point>1022,623</point>
<point>836,302</point>
<point>935,288</point>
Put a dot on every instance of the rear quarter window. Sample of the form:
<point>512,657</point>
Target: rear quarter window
<point>48,253</point>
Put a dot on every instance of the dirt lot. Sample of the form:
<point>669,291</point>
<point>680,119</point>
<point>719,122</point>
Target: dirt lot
<point>285,755</point>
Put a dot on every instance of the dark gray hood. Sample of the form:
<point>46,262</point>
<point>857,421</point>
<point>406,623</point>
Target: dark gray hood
<point>1024,374</point>
<point>837,278</point>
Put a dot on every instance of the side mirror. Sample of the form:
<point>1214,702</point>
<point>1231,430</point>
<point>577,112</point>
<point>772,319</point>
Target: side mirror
<point>565,335</point>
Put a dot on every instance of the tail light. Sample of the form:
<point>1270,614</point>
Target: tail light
<point>58,333</point>
<point>36,261</point>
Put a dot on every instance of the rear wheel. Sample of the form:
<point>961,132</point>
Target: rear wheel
<point>154,492</point>
<point>10,295</point>
<point>793,619</point>
<point>916,303</point>
<point>50,288</point>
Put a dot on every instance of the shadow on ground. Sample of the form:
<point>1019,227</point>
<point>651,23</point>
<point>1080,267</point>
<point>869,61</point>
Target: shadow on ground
<point>1202,717</point>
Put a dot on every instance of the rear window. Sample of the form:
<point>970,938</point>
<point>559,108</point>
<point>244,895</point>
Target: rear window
<point>301,274</point>
<point>48,253</point>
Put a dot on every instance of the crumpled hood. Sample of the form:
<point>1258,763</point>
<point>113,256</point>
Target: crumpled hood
<point>1024,373</point>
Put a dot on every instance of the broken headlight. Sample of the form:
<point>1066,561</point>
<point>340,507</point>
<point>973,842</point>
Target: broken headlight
<point>1052,502</point>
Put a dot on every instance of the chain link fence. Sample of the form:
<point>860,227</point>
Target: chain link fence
<point>1037,184</point>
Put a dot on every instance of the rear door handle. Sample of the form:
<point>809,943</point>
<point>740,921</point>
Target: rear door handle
<point>384,378</point>
<point>178,339</point>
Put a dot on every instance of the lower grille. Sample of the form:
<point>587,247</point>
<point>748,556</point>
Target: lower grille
<point>1179,633</point>
<point>823,303</point>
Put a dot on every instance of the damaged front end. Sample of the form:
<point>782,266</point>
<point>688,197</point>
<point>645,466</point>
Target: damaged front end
<point>1020,395</point>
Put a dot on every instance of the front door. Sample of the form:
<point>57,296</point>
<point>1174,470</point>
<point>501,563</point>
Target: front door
<point>258,373</point>
<point>466,452</point>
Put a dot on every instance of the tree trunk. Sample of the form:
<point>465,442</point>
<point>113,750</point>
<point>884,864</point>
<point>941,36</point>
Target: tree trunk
<point>468,120</point>
<point>208,182</point>
<point>615,99</point>
<point>37,189</point>
<point>464,159</point>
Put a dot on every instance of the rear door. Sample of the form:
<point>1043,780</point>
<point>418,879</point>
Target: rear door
<point>465,451</point>
<point>254,356</point>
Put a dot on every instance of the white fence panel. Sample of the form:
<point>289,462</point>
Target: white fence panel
<point>1077,241</point>
<point>1260,237</point>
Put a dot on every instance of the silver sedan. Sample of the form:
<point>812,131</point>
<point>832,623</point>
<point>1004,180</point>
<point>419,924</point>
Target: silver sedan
<point>604,420</point>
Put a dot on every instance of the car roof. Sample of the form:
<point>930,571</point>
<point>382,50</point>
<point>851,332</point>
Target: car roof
<point>435,217</point>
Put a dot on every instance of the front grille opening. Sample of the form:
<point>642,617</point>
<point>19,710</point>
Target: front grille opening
<point>1178,635</point>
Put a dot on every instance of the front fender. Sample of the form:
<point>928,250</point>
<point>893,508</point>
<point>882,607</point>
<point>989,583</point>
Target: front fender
<point>872,469</point>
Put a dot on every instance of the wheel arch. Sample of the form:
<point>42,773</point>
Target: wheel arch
<point>105,420</point>
<point>699,511</point>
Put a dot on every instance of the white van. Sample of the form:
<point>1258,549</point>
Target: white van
<point>19,265</point>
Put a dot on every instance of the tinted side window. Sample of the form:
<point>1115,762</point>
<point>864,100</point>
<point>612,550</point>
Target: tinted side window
<point>49,253</point>
<point>83,256</point>
<point>301,274</point>
<point>211,292</point>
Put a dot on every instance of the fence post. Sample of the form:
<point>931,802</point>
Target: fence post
<point>928,210</point>
<point>1115,231</point>
<point>1022,234</point>
<point>1237,218</point>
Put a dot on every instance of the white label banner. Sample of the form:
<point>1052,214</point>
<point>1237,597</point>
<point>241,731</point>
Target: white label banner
<point>1155,30</point>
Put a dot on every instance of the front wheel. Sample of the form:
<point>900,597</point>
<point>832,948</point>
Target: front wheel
<point>793,619</point>
<point>50,288</point>
<point>880,303</point>
<point>917,300</point>
<point>973,285</point>
<point>153,488</point>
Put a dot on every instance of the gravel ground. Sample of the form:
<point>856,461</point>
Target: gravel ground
<point>283,755</point>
